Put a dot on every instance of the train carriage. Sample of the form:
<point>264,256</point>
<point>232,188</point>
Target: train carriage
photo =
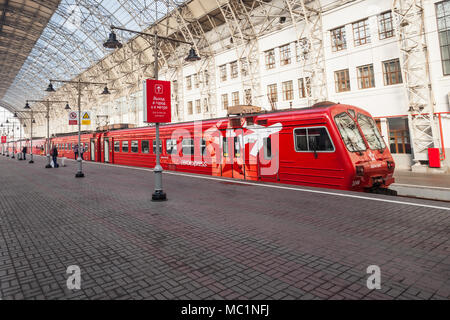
<point>328,145</point>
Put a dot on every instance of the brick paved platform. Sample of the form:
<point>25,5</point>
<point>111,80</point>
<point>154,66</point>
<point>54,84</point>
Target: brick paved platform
<point>212,239</point>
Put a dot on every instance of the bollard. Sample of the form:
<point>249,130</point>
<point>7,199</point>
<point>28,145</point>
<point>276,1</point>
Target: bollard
<point>63,159</point>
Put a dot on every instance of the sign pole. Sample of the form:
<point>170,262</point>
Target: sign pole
<point>80,173</point>
<point>159,194</point>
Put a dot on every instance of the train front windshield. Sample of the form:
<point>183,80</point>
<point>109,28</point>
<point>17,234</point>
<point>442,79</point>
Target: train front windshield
<point>370,131</point>
<point>350,133</point>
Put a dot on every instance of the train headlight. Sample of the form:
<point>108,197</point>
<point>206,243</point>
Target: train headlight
<point>360,171</point>
<point>390,165</point>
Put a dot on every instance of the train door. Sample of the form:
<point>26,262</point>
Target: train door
<point>107,149</point>
<point>92,149</point>
<point>233,154</point>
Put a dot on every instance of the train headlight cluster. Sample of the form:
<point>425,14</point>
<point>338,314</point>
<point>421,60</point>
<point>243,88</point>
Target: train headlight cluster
<point>360,171</point>
<point>390,165</point>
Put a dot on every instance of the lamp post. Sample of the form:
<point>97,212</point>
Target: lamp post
<point>47,104</point>
<point>13,124</point>
<point>78,84</point>
<point>113,43</point>
<point>27,106</point>
<point>8,126</point>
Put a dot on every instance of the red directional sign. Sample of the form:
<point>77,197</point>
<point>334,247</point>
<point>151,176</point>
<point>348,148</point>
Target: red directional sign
<point>73,118</point>
<point>157,101</point>
<point>3,139</point>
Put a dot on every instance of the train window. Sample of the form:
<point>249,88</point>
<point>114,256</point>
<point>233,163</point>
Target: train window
<point>371,132</point>
<point>225,146</point>
<point>154,146</point>
<point>171,146</point>
<point>134,146</point>
<point>237,147</point>
<point>301,142</point>
<point>188,146</point>
<point>314,139</point>
<point>349,132</point>
<point>203,147</point>
<point>145,146</point>
<point>116,146</point>
<point>124,146</point>
<point>267,148</point>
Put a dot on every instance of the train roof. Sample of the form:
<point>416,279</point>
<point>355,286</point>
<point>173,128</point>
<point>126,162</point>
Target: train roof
<point>320,107</point>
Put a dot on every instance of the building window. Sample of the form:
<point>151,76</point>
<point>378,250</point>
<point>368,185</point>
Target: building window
<point>248,97</point>
<point>134,146</point>
<point>338,40</point>
<point>196,82</point>
<point>285,54</point>
<point>223,72</point>
<point>206,104</point>
<point>342,80</point>
<point>225,101</point>
<point>124,146</point>
<point>189,83</point>
<point>244,67</point>
<point>145,146</point>
<point>235,98</point>
<point>272,93</point>
<point>366,77</point>
<point>116,146</point>
<point>385,26</point>
<point>190,109</point>
<point>198,106</point>
<point>304,87</point>
<point>270,59</point>
<point>234,69</point>
<point>288,90</point>
<point>399,135</point>
<point>301,49</point>
<point>443,24</point>
<point>361,32</point>
<point>391,72</point>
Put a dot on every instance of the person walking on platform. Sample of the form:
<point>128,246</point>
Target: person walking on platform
<point>75,150</point>
<point>24,151</point>
<point>55,156</point>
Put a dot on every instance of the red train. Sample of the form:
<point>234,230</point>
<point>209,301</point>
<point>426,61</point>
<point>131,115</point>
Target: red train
<point>328,145</point>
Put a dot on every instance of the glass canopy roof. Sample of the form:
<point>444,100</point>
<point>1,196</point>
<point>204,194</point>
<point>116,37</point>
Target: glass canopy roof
<point>73,40</point>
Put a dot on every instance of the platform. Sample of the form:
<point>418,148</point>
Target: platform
<point>213,239</point>
<point>422,185</point>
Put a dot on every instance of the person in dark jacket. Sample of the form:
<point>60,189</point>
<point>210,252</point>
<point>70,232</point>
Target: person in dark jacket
<point>55,156</point>
<point>24,151</point>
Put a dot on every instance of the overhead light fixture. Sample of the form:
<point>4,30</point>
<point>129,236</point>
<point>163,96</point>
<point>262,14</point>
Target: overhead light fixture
<point>192,56</point>
<point>24,125</point>
<point>15,114</point>
<point>112,42</point>
<point>67,107</point>
<point>27,106</point>
<point>106,91</point>
<point>7,121</point>
<point>34,121</point>
<point>282,19</point>
<point>50,88</point>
